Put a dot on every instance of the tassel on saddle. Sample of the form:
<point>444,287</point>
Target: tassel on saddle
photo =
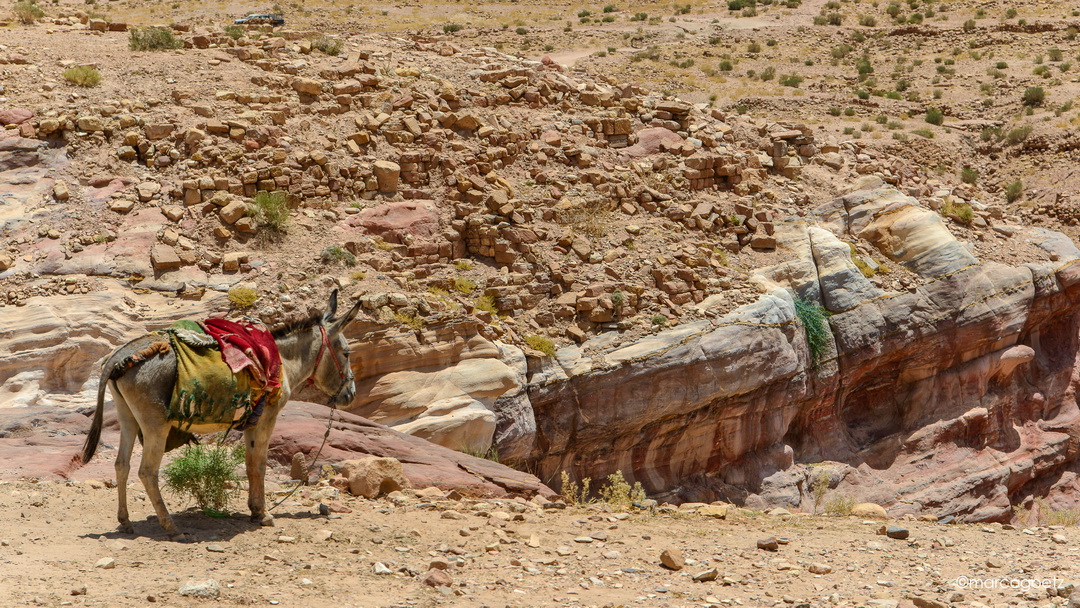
<point>155,348</point>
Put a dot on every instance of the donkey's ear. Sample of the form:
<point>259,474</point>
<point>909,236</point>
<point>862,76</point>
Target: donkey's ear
<point>343,322</point>
<point>331,309</point>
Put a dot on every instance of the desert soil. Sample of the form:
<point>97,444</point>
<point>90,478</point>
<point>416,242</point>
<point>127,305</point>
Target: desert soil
<point>59,546</point>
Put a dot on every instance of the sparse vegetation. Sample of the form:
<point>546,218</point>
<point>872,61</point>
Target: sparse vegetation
<point>463,285</point>
<point>620,494</point>
<point>27,11</point>
<point>1033,96</point>
<point>450,28</point>
<point>935,116</point>
<point>815,322</point>
<point>153,39</point>
<point>234,31</point>
<point>1014,191</point>
<point>337,255</point>
<point>206,474</point>
<point>241,297</point>
<point>412,321</point>
<point>270,210</point>
<point>969,175</point>
<point>572,492</point>
<point>485,303</point>
<point>839,505</point>
<point>540,343</point>
<point>327,45</point>
<point>83,76</point>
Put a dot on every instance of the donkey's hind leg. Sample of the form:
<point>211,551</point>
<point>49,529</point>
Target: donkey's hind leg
<point>129,430</point>
<point>153,450</point>
<point>257,440</point>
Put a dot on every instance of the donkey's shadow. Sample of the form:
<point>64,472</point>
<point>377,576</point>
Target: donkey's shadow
<point>198,527</point>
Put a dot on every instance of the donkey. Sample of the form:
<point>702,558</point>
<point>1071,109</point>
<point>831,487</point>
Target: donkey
<point>313,351</point>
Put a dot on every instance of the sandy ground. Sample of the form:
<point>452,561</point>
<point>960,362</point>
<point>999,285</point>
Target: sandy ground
<point>59,538</point>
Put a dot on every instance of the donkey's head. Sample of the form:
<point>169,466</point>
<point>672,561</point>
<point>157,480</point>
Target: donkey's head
<point>332,373</point>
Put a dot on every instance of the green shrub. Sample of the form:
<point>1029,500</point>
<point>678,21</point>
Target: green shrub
<point>791,80</point>
<point>620,494</point>
<point>153,39</point>
<point>969,25</point>
<point>27,11</point>
<point>540,343</point>
<point>234,31</point>
<point>463,264</point>
<point>725,66</point>
<point>270,209</point>
<point>927,133</point>
<point>204,474</point>
<point>935,116</point>
<point>768,73</point>
<point>450,28</point>
<point>969,175</point>
<point>1014,191</point>
<point>83,76</point>
<point>415,323</point>
<point>336,254</point>
<point>753,48</point>
<point>815,322</point>
<point>521,31</point>
<point>1017,135</point>
<point>242,297</point>
<point>328,46</point>
<point>867,21</point>
<point>572,492</point>
<point>660,320</point>
<point>1034,96</point>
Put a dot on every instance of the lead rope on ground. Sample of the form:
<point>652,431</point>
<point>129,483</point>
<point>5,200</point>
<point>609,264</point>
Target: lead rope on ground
<point>303,482</point>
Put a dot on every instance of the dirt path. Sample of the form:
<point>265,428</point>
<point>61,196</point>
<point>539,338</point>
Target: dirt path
<point>58,538</point>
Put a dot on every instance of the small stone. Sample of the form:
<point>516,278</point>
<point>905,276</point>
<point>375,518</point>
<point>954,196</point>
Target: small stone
<point>106,563</point>
<point>80,590</point>
<point>993,563</point>
<point>1059,539</point>
<point>817,568</point>
<point>208,589</point>
<point>896,532</point>
<point>215,548</point>
<point>286,539</point>
<point>768,544</point>
<point>380,569</point>
<point>672,559</point>
<point>437,578</point>
<point>707,576</point>
<point>583,539</point>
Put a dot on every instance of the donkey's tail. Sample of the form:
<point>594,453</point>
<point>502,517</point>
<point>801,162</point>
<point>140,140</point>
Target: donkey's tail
<point>94,435</point>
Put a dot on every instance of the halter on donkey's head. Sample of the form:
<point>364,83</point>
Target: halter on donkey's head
<point>346,389</point>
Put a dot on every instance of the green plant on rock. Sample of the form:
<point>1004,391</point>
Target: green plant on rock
<point>540,343</point>
<point>412,321</point>
<point>815,322</point>
<point>153,39</point>
<point>485,303</point>
<point>207,474</point>
<point>83,76</point>
<point>270,209</point>
<point>242,297</point>
<point>463,285</point>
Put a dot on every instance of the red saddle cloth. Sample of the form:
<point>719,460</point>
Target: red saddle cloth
<point>245,345</point>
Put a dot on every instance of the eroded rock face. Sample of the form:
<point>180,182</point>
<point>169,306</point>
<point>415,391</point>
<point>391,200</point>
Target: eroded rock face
<point>957,396</point>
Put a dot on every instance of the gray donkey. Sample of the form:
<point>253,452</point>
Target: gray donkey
<point>314,351</point>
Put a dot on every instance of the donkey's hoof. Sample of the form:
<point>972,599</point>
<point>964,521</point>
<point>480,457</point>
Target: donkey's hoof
<point>178,537</point>
<point>263,519</point>
<point>126,527</point>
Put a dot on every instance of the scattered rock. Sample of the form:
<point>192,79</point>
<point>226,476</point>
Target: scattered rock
<point>373,476</point>
<point>869,510</point>
<point>672,559</point>
<point>208,589</point>
<point>768,544</point>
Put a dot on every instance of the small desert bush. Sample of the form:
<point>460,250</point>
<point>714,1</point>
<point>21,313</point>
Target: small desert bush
<point>242,297</point>
<point>83,76</point>
<point>1014,191</point>
<point>327,45</point>
<point>485,303</point>
<point>820,487</point>
<point>270,209</point>
<point>335,254</point>
<point>574,493</point>
<point>1056,517</point>
<point>969,175</point>
<point>205,473</point>
<point>841,504</point>
<point>412,321</point>
<point>620,494</point>
<point>1033,96</point>
<point>542,344</point>
<point>659,320</point>
<point>935,116</point>
<point>463,265</point>
<point>153,39</point>
<point>235,32</point>
<point>27,11</point>
<point>463,285</point>
<point>450,28</point>
<point>927,133</point>
<point>791,80</point>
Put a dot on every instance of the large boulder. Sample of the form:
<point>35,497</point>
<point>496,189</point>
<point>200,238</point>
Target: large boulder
<point>392,221</point>
<point>651,140</point>
<point>373,476</point>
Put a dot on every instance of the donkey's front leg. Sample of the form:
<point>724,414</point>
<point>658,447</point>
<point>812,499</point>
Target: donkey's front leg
<point>256,442</point>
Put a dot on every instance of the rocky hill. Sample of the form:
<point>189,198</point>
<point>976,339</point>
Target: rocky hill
<point>583,272</point>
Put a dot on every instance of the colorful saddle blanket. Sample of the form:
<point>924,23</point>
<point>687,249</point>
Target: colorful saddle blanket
<point>225,372</point>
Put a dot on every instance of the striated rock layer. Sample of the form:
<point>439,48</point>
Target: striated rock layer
<point>957,397</point>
